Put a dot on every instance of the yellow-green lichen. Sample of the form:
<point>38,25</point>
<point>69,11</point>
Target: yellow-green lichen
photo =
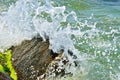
<point>6,64</point>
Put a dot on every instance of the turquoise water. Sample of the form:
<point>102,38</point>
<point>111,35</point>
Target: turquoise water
<point>99,23</point>
<point>104,43</point>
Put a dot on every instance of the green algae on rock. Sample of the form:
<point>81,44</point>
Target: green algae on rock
<point>6,64</point>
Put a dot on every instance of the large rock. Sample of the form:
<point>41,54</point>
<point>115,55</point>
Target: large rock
<point>31,58</point>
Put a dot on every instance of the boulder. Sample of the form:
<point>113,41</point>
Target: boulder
<point>31,58</point>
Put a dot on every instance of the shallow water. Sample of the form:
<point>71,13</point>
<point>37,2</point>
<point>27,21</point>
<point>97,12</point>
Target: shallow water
<point>91,29</point>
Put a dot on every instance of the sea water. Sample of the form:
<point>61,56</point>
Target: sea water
<point>90,29</point>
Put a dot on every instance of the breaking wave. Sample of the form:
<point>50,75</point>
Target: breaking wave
<point>27,18</point>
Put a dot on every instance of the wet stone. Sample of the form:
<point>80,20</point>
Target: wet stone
<point>31,58</point>
<point>4,76</point>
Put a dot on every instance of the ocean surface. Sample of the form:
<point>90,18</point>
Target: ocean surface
<point>88,28</point>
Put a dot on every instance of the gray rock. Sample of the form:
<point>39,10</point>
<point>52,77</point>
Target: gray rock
<point>4,76</point>
<point>31,58</point>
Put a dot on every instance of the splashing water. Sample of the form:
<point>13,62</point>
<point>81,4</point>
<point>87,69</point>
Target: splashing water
<point>95,45</point>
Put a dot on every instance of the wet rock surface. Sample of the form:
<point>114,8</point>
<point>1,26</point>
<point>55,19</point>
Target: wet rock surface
<point>4,76</point>
<point>31,58</point>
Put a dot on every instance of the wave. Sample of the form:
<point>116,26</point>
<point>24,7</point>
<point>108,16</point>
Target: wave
<point>27,18</point>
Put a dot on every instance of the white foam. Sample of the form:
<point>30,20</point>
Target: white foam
<point>25,19</point>
<point>15,24</point>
